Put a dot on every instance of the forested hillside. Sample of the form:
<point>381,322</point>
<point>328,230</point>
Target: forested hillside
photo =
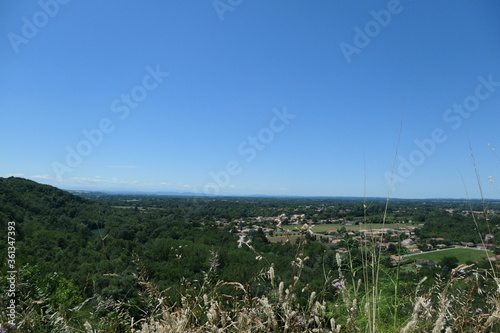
<point>86,240</point>
<point>70,249</point>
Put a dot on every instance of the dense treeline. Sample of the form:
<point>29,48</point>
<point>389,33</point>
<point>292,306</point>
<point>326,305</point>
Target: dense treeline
<point>371,210</point>
<point>459,228</point>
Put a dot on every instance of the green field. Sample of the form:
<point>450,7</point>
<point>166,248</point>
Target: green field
<point>327,227</point>
<point>463,255</point>
<point>282,238</point>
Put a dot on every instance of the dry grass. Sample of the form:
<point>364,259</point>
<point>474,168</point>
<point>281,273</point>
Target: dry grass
<point>225,307</point>
<point>449,305</point>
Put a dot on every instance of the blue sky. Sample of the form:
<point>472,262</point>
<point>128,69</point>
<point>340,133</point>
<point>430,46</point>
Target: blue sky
<point>253,97</point>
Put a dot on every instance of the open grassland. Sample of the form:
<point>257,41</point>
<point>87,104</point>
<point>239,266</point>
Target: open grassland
<point>281,238</point>
<point>464,255</point>
<point>368,226</point>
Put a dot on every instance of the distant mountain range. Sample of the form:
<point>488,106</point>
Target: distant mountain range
<point>94,193</point>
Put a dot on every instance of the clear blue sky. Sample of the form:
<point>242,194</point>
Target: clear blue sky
<point>252,97</point>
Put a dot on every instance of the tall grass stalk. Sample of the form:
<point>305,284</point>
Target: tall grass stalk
<point>484,207</point>
<point>376,252</point>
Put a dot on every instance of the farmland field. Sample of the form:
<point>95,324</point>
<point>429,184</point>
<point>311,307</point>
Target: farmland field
<point>464,255</point>
<point>279,238</point>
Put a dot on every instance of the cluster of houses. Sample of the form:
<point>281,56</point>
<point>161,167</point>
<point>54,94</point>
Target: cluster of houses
<point>260,223</point>
<point>382,237</point>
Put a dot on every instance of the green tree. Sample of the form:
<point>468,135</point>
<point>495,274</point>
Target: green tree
<point>449,262</point>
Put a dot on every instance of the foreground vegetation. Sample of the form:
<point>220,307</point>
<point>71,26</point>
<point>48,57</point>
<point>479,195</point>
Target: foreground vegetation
<point>182,264</point>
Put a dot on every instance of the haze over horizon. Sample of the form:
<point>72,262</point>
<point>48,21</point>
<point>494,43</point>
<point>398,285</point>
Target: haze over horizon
<point>253,97</point>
